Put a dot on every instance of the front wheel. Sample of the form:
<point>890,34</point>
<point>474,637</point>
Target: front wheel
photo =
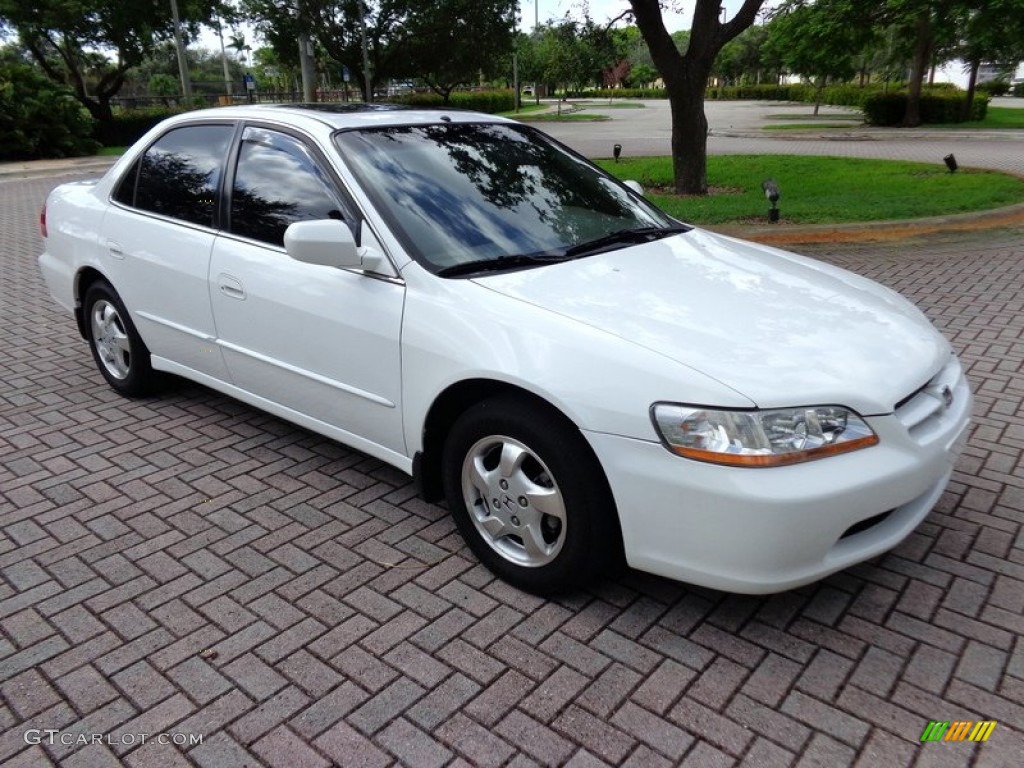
<point>528,495</point>
<point>117,348</point>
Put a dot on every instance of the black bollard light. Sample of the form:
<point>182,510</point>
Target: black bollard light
<point>950,162</point>
<point>772,192</point>
<point>616,152</point>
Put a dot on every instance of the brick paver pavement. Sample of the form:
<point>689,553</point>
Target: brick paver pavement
<point>347,625</point>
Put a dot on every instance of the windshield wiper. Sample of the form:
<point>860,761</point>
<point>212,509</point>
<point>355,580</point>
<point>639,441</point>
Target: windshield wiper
<point>498,263</point>
<point>513,261</point>
<point>624,236</point>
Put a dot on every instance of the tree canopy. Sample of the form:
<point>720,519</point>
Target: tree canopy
<point>105,38</point>
<point>443,42</point>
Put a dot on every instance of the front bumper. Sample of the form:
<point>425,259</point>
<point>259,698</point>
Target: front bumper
<point>767,530</point>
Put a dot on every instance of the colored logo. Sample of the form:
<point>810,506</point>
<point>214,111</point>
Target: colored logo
<point>958,730</point>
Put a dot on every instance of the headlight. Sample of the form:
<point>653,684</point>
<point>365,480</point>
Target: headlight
<point>760,438</point>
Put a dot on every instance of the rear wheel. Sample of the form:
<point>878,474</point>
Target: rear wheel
<point>528,495</point>
<point>119,352</point>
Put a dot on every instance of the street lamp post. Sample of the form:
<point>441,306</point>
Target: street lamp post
<point>368,96</point>
<point>224,59</point>
<point>186,83</point>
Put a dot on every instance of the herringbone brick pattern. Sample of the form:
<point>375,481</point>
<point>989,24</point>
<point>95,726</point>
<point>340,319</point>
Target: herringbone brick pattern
<point>345,624</point>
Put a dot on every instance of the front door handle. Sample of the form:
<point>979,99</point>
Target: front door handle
<point>231,286</point>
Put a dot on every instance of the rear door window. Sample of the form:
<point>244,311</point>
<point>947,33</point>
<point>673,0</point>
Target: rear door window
<point>180,174</point>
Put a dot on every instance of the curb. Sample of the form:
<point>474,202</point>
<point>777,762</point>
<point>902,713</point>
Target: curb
<point>32,169</point>
<point>1007,134</point>
<point>868,232</point>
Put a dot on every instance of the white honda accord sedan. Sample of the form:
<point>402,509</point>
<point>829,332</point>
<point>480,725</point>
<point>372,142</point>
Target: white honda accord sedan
<point>580,376</point>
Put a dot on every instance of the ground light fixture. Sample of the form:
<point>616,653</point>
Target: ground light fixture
<point>771,191</point>
<point>616,152</point>
<point>950,161</point>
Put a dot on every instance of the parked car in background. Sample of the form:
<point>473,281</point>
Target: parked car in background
<point>581,377</point>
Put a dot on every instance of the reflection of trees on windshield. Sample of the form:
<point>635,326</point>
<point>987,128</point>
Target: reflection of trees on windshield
<point>509,171</point>
<point>468,191</point>
<point>171,184</point>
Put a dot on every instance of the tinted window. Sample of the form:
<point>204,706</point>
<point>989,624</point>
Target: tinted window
<point>278,182</point>
<point>457,193</point>
<point>180,174</point>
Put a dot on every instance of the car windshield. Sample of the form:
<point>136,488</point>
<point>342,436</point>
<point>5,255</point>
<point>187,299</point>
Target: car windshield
<point>460,194</point>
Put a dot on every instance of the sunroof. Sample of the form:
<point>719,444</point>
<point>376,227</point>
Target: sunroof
<point>342,108</point>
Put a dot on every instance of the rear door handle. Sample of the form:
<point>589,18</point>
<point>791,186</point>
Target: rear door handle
<point>115,249</point>
<point>231,286</point>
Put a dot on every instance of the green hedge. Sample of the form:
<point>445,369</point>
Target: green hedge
<point>937,106</point>
<point>129,125</point>
<point>39,119</point>
<point>620,93</point>
<point>767,92</point>
<point>477,101</point>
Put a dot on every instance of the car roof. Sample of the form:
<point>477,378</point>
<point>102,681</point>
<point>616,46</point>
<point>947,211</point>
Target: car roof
<point>343,115</point>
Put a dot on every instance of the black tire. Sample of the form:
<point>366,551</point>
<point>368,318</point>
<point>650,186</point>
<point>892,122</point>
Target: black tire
<point>119,352</point>
<point>510,534</point>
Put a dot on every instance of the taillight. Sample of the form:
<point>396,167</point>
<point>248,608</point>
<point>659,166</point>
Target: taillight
<point>42,220</point>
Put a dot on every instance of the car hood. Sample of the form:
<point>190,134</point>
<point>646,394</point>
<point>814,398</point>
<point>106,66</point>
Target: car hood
<point>781,329</point>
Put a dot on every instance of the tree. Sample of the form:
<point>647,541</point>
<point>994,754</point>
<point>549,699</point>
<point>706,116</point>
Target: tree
<point>742,60</point>
<point>816,44</point>
<point>449,42</point>
<point>68,38</point>
<point>642,75</point>
<point>37,117</point>
<point>163,85</point>
<point>686,76</point>
<point>993,31</point>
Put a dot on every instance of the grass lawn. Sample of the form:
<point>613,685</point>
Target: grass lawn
<point>811,116</point>
<point>997,117</point>
<point>565,117</point>
<point>602,104</point>
<point>523,109</point>
<point>108,151</point>
<point>810,126</point>
<point>822,189</point>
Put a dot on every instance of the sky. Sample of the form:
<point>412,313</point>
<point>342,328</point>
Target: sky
<point>602,10</point>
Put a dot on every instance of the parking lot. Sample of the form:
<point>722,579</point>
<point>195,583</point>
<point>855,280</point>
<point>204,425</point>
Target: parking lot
<point>188,581</point>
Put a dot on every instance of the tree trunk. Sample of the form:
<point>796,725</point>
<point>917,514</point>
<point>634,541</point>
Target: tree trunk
<point>922,55</point>
<point>686,78</point>
<point>689,134</point>
<point>818,94</point>
<point>972,87</point>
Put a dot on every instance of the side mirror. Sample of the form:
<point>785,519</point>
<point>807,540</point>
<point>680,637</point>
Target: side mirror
<point>635,186</point>
<point>329,243</point>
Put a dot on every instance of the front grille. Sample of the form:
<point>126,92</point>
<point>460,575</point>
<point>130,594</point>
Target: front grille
<point>921,410</point>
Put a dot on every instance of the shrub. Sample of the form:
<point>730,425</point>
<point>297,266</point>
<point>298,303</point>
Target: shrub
<point>38,118</point>
<point>995,87</point>
<point>477,101</point>
<point>129,125</point>
<point>937,106</point>
<point>1018,89</point>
